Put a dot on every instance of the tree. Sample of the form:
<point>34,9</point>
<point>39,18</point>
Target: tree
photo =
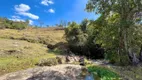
<point>76,38</point>
<point>129,13</point>
<point>6,23</point>
<point>80,38</point>
<point>84,24</point>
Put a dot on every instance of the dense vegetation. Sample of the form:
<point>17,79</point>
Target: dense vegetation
<point>103,73</point>
<point>81,40</point>
<point>118,30</point>
<point>6,23</point>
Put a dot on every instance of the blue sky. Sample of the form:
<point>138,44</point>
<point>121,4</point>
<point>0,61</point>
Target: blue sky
<point>50,12</point>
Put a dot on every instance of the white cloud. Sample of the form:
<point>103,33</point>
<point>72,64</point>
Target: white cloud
<point>30,15</point>
<point>23,9</point>
<point>47,2</point>
<point>17,19</point>
<point>31,22</point>
<point>51,11</point>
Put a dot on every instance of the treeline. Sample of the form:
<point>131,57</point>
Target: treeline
<point>118,31</point>
<point>6,23</point>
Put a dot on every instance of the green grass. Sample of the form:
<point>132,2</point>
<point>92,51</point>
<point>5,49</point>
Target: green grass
<point>103,73</point>
<point>25,55</point>
<point>11,64</point>
<point>22,49</point>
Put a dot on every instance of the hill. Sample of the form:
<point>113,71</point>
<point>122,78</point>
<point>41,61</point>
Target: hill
<point>21,49</point>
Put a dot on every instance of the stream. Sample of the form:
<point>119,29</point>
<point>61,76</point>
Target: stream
<point>89,77</point>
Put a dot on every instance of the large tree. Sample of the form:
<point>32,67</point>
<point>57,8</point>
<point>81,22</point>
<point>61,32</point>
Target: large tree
<point>126,23</point>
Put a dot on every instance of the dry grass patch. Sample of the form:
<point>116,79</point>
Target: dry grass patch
<point>39,35</point>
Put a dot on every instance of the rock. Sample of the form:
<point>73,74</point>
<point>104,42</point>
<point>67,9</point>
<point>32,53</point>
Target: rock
<point>135,60</point>
<point>60,72</point>
<point>72,58</point>
<point>67,59</point>
<point>61,59</point>
<point>82,61</point>
<point>48,62</point>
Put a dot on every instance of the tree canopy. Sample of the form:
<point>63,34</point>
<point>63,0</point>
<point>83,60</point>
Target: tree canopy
<point>120,22</point>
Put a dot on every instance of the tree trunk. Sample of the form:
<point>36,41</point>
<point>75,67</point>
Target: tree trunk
<point>140,54</point>
<point>125,40</point>
<point>123,46</point>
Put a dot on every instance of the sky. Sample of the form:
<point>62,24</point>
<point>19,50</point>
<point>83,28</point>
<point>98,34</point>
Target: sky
<point>49,12</point>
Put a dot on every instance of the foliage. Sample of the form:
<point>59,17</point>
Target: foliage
<point>6,23</point>
<point>81,40</point>
<point>103,73</point>
<point>118,25</point>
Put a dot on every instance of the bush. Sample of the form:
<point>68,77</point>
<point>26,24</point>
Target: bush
<point>82,42</point>
<point>103,72</point>
<point>117,59</point>
<point>113,57</point>
<point>48,62</point>
<point>6,23</point>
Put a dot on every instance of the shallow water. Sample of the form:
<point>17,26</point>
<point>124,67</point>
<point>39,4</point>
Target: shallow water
<point>89,77</point>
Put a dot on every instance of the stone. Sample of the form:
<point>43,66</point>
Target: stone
<point>59,72</point>
<point>82,61</point>
<point>135,60</point>
<point>67,58</point>
<point>61,59</point>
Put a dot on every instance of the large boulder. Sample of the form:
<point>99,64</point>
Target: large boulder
<point>60,72</point>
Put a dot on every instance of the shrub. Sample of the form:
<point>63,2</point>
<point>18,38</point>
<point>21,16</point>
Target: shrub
<point>6,23</point>
<point>112,56</point>
<point>103,72</point>
<point>82,42</point>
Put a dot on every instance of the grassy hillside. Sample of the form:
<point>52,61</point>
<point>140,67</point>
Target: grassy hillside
<point>21,49</point>
<point>34,35</point>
